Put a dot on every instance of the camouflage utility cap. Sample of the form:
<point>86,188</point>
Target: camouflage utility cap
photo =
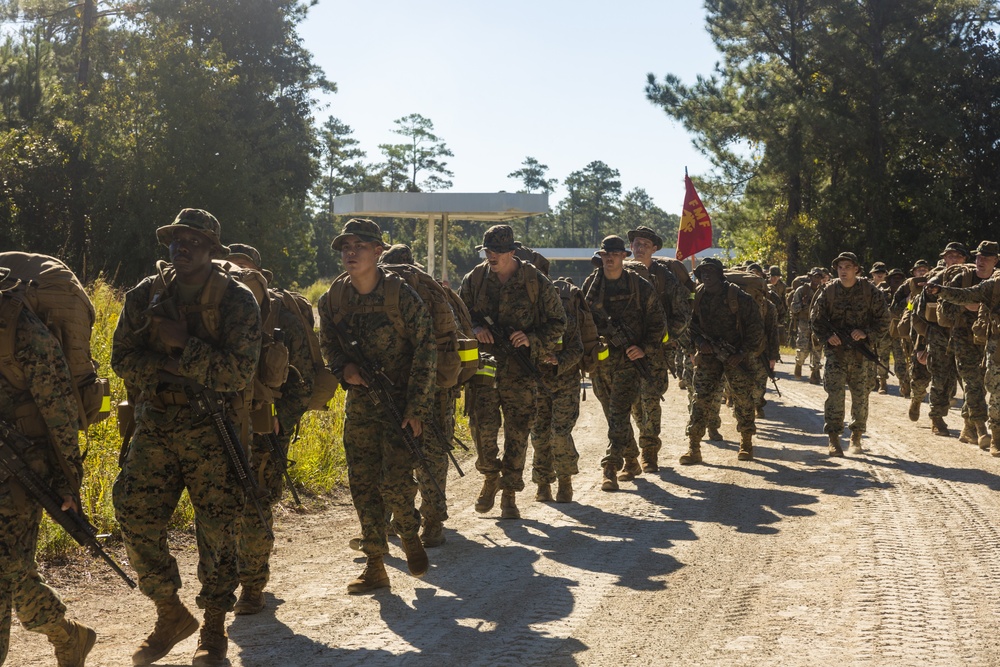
<point>879,267</point>
<point>755,268</point>
<point>955,246</point>
<point>849,256</point>
<point>920,263</point>
<point>197,220</point>
<point>250,254</point>
<point>774,271</point>
<point>710,263</point>
<point>614,244</point>
<point>498,238</point>
<point>645,233</point>
<point>987,249</point>
<point>897,272</point>
<point>400,253</point>
<point>816,271</point>
<point>364,229</point>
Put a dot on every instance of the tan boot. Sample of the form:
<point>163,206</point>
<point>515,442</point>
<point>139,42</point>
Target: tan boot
<point>213,644</point>
<point>968,434</point>
<point>714,435</point>
<point>610,482</point>
<point>649,463</point>
<point>432,534</point>
<point>814,377</point>
<point>746,447</point>
<point>72,642</point>
<point>251,601</point>
<point>693,454</point>
<point>631,469</point>
<point>914,413</point>
<point>856,447</point>
<point>883,385</point>
<point>508,505</point>
<point>982,435</point>
<point>835,448</point>
<point>372,577</point>
<point>939,427</point>
<point>564,494</point>
<point>798,370</point>
<point>416,557</point>
<point>488,495</point>
<point>995,444</point>
<point>544,494</point>
<point>174,623</point>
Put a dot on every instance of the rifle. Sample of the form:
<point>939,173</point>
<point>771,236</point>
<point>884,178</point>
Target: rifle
<point>622,336</point>
<point>280,457</point>
<point>860,345</point>
<point>446,445</point>
<point>205,402</point>
<point>12,448</point>
<point>770,373</point>
<point>723,349</point>
<point>379,389</point>
<point>501,338</point>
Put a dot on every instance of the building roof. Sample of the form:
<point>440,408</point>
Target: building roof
<point>487,206</point>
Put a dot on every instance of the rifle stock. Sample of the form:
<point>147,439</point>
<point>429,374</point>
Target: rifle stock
<point>622,336</point>
<point>861,346</point>
<point>280,457</point>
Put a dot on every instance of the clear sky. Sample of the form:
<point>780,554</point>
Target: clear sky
<point>559,80</point>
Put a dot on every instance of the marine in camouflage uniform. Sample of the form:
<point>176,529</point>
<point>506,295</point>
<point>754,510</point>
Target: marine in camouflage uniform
<point>170,450</point>
<point>777,291</point>
<point>879,273</point>
<point>46,413</point>
<point>525,306</point>
<point>852,306</point>
<point>897,341</point>
<point>938,354</point>
<point>804,348</point>
<point>379,465</point>
<point>646,411</point>
<point>969,354</point>
<point>255,544</point>
<point>558,407</point>
<point>621,301</point>
<point>713,319</point>
<point>920,377</point>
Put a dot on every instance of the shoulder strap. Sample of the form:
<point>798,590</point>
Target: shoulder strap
<point>390,306</point>
<point>10,312</point>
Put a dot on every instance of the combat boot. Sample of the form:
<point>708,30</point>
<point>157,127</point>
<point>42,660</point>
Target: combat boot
<point>914,413</point>
<point>544,494</point>
<point>610,481</point>
<point>416,558</point>
<point>856,447</point>
<point>904,389</point>
<point>649,457</point>
<point>71,640</point>
<point>875,386</point>
<point>798,370</point>
<point>995,443</point>
<point>432,534</point>
<point>631,469</point>
<point>174,623</point>
<point>508,505</point>
<point>982,435</point>
<point>968,434</point>
<point>372,577</point>
<point>564,494</point>
<point>488,495</point>
<point>251,601</point>
<point>760,413</point>
<point>213,644</point>
<point>693,454</point>
<point>814,377</point>
<point>746,447</point>
<point>714,435</point>
<point>938,427</point>
<point>883,385</point>
<point>835,448</point>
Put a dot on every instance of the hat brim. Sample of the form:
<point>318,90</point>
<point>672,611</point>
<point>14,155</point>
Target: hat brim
<point>628,253</point>
<point>961,252</point>
<point>497,248</point>
<point>632,235</point>
<point>165,235</point>
<point>338,241</point>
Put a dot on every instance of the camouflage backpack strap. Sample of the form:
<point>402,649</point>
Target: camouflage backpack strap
<point>339,308</point>
<point>478,283</point>
<point>10,311</point>
<point>211,298</point>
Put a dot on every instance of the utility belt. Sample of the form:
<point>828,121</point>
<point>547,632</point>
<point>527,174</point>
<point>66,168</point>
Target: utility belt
<point>29,422</point>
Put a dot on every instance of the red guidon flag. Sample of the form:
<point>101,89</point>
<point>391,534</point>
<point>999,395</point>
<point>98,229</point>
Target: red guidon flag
<point>695,231</point>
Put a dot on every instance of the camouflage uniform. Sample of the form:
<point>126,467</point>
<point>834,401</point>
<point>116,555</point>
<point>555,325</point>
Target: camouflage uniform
<point>771,352</point>
<point>883,346</point>
<point>510,305</point>
<point>633,301</point>
<point>379,466</point>
<point>858,307</point>
<point>170,451</point>
<point>940,361</point>
<point>968,355</point>
<point>53,432</point>
<point>902,346</point>
<point>804,348</point>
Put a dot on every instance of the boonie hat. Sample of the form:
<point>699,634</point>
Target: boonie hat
<point>987,249</point>
<point>198,220</point>
<point>879,267</point>
<point>849,256</point>
<point>920,263</point>
<point>615,244</point>
<point>242,250</point>
<point>364,229</point>
<point>398,253</point>
<point>897,272</point>
<point>710,262</point>
<point>754,267</point>
<point>645,233</point>
<point>955,246</point>
<point>774,271</point>
<point>816,271</point>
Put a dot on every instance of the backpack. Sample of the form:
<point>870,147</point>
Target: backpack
<point>526,254</point>
<point>594,348</point>
<point>449,362</point>
<point>477,279</point>
<point>946,317</point>
<point>468,345</point>
<point>324,381</point>
<point>49,289</point>
<point>679,270</point>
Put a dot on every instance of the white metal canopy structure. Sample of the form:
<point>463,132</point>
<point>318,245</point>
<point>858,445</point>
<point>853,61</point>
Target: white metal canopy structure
<point>488,206</point>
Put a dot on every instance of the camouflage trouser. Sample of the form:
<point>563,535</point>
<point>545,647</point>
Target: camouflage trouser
<point>162,461</point>
<point>901,351</point>
<point>380,475</point>
<point>555,452</point>
<point>920,377</point>
<point>944,377</point>
<point>804,348</point>
<point>646,410</point>
<point>514,395</point>
<point>434,503</point>
<point>760,385</point>
<point>36,604</point>
<point>683,360</point>
<point>884,348</point>
<point>969,359</point>
<point>992,382</point>
<point>851,368</point>
<point>254,544</point>
<point>616,385</point>
<point>708,380</point>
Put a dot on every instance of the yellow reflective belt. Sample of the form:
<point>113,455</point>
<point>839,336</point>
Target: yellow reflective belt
<point>468,355</point>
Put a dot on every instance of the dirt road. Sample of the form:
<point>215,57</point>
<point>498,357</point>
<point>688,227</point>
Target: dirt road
<point>792,559</point>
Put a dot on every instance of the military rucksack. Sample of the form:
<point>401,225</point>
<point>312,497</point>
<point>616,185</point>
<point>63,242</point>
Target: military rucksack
<point>449,362</point>
<point>679,270</point>
<point>49,289</point>
<point>325,383</point>
<point>594,349</point>
<point>468,345</point>
<point>946,315</point>
<point>525,253</point>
